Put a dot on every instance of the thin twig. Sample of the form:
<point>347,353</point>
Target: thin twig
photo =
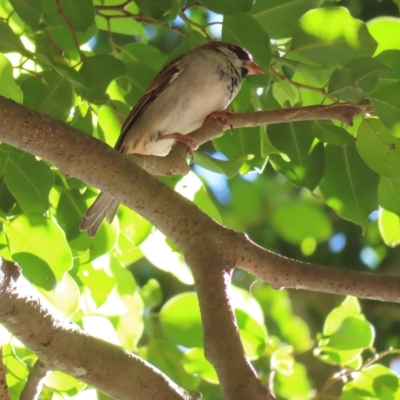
<point>34,383</point>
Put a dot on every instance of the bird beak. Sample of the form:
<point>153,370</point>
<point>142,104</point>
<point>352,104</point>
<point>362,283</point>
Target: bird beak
<point>253,68</point>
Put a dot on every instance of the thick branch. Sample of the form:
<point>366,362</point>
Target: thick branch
<point>92,161</point>
<point>63,346</point>
<point>222,344</point>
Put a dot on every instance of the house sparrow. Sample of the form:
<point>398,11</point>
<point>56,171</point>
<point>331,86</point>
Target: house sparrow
<point>188,91</point>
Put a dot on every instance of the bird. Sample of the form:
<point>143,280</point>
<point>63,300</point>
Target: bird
<point>189,91</point>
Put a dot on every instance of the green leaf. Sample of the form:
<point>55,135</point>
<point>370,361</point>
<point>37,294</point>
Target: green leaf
<point>139,76</point>
<point>327,132</point>
<point>348,185</point>
<point>97,73</point>
<point>385,30</point>
<point>196,364</point>
<point>242,144</point>
<point>270,14</point>
<point>79,13</point>
<point>30,11</point>
<point>165,356</point>
<point>52,96</point>
<point>180,319</point>
<point>319,38</point>
<point>228,168</point>
<point>297,221</point>
<point>30,181</point>
<point>353,334</point>
<point>350,307</point>
<point>228,7</point>
<point>70,209</point>
<point>373,382</point>
<point>368,70</point>
<point>386,102</point>
<point>255,40</point>
<point>342,85</point>
<point>97,280</point>
<point>379,148</point>
<point>124,26</point>
<point>66,297</point>
<point>10,42</point>
<point>391,58</point>
<point>306,155</point>
<point>293,385</point>
<point>144,53</point>
<point>389,194</point>
<point>163,10</point>
<point>8,87</point>
<point>30,237</point>
<point>134,226</point>
<point>389,227</point>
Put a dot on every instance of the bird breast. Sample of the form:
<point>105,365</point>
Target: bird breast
<point>203,87</point>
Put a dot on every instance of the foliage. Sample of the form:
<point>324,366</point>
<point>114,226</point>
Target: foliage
<point>87,63</point>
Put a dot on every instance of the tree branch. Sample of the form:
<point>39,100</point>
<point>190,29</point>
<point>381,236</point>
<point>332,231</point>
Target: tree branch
<point>34,383</point>
<point>94,162</point>
<point>63,346</point>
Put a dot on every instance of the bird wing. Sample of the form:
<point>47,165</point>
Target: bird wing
<point>163,79</point>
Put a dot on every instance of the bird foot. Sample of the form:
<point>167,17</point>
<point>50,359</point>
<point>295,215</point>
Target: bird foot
<point>188,141</point>
<point>222,115</point>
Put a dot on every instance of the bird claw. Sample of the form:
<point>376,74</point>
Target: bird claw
<point>222,115</point>
<point>188,141</point>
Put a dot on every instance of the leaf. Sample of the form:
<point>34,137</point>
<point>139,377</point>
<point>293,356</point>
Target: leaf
<point>53,96</point>
<point>319,38</point>
<point>389,227</point>
<point>389,194</point>
<point>180,319</point>
<point>98,281</point>
<point>306,155</point>
<point>386,31</point>
<point>10,42</point>
<point>29,181</point>
<point>342,85</point>
<point>70,209</point>
<point>297,221</point>
<point>163,10</point>
<point>373,382</point>
<point>386,102</point>
<point>353,333</point>
<point>270,14</point>
<point>228,7</point>
<point>79,13</point>
<point>391,58</point>
<point>8,87</point>
<point>66,297</point>
<point>348,185</point>
<point>30,11</point>
<point>30,238</point>
<point>97,72</point>
<point>379,148</point>
<point>228,168</point>
<point>143,53</point>
<point>327,132</point>
<point>368,70</point>
<point>124,26</point>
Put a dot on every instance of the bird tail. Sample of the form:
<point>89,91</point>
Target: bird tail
<point>104,206</point>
